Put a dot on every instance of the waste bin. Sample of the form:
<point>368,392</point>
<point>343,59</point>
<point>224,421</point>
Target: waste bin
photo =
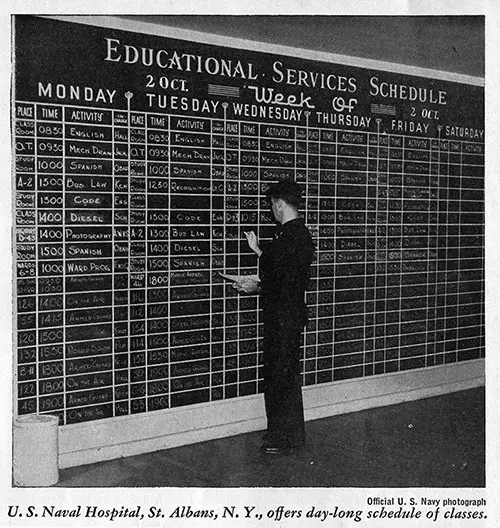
<point>36,450</point>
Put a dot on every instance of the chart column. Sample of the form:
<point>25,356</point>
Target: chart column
<point>453,254</point>
<point>396,255</point>
<point>25,252</point>
<point>88,265</point>
<point>349,255</point>
<point>120,235</point>
<point>250,203</point>
<point>51,268</point>
<point>137,262</point>
<point>471,273</point>
<point>325,237</point>
<point>190,261</point>
<point>159,275</point>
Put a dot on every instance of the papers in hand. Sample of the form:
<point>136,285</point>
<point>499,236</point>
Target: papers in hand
<point>239,278</point>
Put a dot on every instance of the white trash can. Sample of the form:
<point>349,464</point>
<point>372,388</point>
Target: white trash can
<point>36,450</point>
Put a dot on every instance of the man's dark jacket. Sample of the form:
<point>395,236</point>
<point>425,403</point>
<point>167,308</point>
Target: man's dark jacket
<point>284,271</point>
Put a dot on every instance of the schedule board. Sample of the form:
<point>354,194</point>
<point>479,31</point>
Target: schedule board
<point>139,162</point>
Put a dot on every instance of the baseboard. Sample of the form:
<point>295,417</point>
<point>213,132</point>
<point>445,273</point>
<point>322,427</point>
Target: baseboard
<point>90,442</point>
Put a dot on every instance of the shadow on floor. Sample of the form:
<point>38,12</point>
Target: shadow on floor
<point>434,442</point>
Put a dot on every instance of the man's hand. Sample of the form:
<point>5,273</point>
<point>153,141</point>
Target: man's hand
<point>252,242</point>
<point>246,285</point>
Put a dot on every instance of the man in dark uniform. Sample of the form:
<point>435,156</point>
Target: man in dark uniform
<point>284,271</point>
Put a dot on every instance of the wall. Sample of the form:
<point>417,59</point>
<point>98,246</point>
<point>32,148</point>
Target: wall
<point>447,43</point>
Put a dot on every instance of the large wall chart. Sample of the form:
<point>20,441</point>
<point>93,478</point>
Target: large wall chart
<point>141,160</point>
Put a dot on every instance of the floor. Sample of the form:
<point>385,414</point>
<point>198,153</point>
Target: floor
<point>435,442</point>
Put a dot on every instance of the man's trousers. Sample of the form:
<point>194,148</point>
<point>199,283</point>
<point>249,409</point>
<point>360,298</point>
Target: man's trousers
<point>282,383</point>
